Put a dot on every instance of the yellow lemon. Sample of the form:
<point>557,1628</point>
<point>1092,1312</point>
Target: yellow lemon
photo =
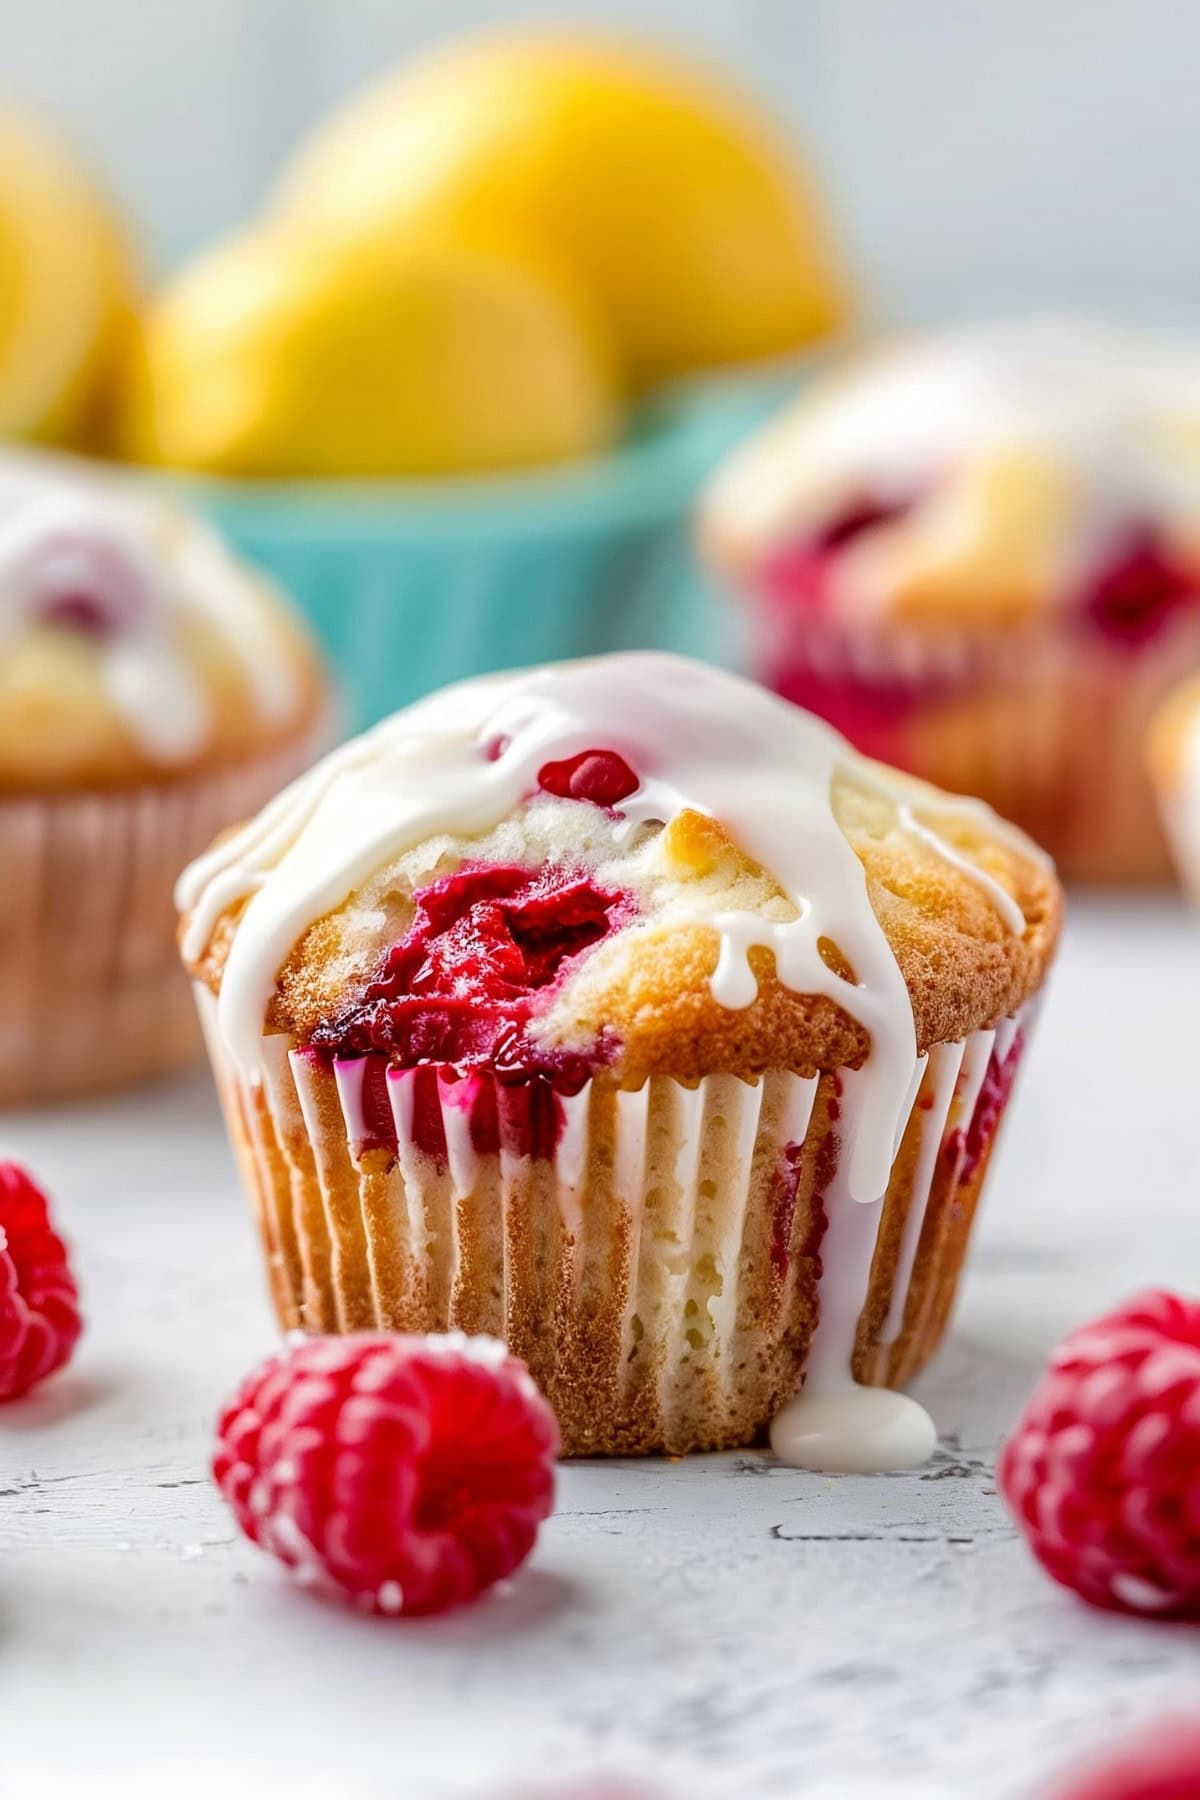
<point>685,214</point>
<point>66,288</point>
<point>272,355</point>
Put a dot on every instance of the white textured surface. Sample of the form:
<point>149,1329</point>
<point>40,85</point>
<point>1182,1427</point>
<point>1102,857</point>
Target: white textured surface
<point>718,1627</point>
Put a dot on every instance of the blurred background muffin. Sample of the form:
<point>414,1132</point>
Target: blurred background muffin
<point>66,289</point>
<point>979,555</point>
<point>152,692</point>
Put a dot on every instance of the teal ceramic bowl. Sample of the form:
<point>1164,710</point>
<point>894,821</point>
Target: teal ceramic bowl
<point>413,584</point>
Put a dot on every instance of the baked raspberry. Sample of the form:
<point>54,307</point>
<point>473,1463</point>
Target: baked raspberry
<point>1139,590</point>
<point>484,946</point>
<point>997,1084</point>
<point>1160,1764</point>
<point>797,574</point>
<point>39,1302</point>
<point>87,582</point>
<point>1103,1470</point>
<point>405,1474</point>
<point>600,776</point>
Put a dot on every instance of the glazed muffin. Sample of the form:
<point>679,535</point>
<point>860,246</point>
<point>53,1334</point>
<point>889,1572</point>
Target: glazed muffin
<point>979,556</point>
<point>621,1010</point>
<point>1174,762</point>
<point>152,692</point>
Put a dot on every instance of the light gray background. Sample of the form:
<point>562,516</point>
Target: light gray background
<point>984,153</point>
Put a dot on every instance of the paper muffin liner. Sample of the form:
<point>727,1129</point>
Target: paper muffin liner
<point>1045,722</point>
<point>667,1261</point>
<point>92,992</point>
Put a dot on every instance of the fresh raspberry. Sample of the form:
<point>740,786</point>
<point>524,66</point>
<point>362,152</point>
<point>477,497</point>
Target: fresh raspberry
<point>39,1302</point>
<point>405,1474</point>
<point>1103,1470</point>
<point>1160,1764</point>
<point>600,776</point>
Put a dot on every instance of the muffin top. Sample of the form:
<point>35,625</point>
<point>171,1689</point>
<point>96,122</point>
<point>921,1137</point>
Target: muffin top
<point>608,869</point>
<point>980,476</point>
<point>134,646</point>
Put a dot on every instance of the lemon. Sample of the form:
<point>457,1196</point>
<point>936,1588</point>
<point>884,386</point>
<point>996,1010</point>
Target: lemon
<point>275,355</point>
<point>688,218</point>
<point>66,288</point>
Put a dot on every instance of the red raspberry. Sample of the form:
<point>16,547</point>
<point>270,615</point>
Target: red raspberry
<point>1160,1764</point>
<point>1102,1472</point>
<point>404,1473</point>
<point>39,1302</point>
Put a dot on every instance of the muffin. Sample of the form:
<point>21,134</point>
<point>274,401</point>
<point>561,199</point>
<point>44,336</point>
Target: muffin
<point>979,556</point>
<point>152,692</point>
<point>1175,771</point>
<point>620,1010</point>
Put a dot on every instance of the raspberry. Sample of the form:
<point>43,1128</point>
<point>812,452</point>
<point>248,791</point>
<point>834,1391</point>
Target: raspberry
<point>1102,1472</point>
<point>39,1302</point>
<point>1139,591</point>
<point>473,968</point>
<point>600,776</point>
<point>86,580</point>
<point>405,1474</point>
<point>1160,1764</point>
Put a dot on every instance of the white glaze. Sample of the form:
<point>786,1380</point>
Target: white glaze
<point>853,1431</point>
<point>147,569</point>
<point>700,737</point>
<point>834,1424</point>
<point>1115,409</point>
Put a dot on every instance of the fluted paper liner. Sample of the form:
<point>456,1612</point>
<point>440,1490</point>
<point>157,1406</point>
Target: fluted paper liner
<point>91,991</point>
<point>660,1271</point>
